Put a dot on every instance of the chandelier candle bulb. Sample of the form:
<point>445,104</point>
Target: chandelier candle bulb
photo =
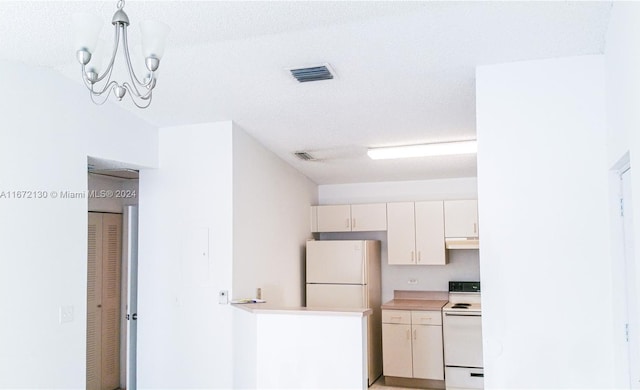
<point>154,38</point>
<point>86,29</point>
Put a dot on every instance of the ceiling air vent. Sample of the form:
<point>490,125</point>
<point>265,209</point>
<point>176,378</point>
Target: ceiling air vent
<point>314,73</point>
<point>304,156</point>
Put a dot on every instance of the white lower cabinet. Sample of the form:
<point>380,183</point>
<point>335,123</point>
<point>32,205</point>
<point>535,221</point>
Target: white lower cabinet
<point>427,352</point>
<point>412,344</point>
<point>397,359</point>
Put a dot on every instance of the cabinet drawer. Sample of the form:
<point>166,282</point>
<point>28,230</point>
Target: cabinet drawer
<point>464,378</point>
<point>396,317</point>
<point>426,317</point>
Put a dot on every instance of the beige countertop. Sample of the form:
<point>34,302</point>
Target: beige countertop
<point>414,304</point>
<point>417,300</point>
<point>267,308</point>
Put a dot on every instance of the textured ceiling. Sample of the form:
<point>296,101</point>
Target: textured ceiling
<point>405,70</point>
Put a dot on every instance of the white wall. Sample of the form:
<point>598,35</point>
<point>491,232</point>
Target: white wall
<point>271,203</point>
<point>463,264</point>
<point>622,60</point>
<point>185,259</point>
<point>543,203</point>
<point>622,66</point>
<point>49,127</point>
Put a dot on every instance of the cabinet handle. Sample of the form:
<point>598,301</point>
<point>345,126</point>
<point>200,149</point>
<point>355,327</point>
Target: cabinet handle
<point>475,228</point>
<point>412,257</point>
<point>426,318</point>
<point>408,334</point>
<point>419,256</point>
<point>353,225</point>
<point>415,334</point>
<point>398,318</point>
<point>346,223</point>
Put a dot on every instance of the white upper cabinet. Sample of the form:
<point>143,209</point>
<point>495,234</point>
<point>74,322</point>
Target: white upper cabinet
<point>368,217</point>
<point>415,233</point>
<point>349,218</point>
<point>401,233</point>
<point>334,218</point>
<point>461,218</point>
<point>430,233</point>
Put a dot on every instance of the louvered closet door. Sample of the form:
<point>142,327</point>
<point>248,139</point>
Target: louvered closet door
<point>111,262</point>
<point>94,289</point>
<point>103,301</point>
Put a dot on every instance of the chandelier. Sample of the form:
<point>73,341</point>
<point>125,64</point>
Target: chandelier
<point>97,66</point>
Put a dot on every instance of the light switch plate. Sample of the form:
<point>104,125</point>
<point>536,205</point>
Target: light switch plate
<point>223,297</point>
<point>66,314</point>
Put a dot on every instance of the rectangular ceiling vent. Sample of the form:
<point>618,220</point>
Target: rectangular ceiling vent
<point>314,73</point>
<point>304,156</point>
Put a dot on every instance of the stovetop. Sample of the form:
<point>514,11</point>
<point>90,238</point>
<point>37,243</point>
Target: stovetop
<point>464,297</point>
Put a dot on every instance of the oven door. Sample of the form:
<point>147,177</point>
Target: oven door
<point>462,339</point>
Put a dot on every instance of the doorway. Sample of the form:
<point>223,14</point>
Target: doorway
<point>112,276</point>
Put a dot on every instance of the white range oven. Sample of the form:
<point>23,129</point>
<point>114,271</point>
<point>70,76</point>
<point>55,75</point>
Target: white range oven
<point>462,336</point>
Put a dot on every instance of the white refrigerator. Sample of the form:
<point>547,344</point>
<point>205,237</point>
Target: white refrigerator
<point>346,274</point>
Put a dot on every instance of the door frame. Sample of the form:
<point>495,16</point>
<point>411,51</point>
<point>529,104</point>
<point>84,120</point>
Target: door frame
<point>622,353</point>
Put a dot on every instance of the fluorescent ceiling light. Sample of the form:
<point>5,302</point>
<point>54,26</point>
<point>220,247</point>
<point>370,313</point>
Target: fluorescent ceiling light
<point>424,150</point>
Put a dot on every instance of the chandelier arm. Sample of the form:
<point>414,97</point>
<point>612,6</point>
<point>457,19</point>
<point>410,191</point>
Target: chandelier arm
<point>134,78</point>
<point>106,96</point>
<point>113,56</point>
<point>85,79</point>
<point>134,91</point>
<point>89,85</point>
<point>107,88</point>
<point>133,97</point>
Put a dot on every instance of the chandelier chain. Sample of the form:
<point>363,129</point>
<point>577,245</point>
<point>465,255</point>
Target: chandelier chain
<point>120,4</point>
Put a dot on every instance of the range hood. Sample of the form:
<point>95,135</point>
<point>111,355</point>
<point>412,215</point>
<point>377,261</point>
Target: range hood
<point>462,243</point>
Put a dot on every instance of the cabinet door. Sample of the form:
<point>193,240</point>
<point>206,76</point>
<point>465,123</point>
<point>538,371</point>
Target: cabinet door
<point>460,218</point>
<point>428,361</point>
<point>396,350</point>
<point>401,233</point>
<point>430,233</point>
<point>334,218</point>
<point>368,217</point>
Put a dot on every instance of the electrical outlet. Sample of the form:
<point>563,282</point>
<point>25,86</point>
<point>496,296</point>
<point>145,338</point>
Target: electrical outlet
<point>66,314</point>
<point>223,297</point>
<point>413,281</point>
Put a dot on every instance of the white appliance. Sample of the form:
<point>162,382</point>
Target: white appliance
<point>462,336</point>
<point>346,274</point>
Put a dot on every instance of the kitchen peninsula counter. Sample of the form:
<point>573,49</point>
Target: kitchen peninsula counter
<point>267,308</point>
<point>280,347</point>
